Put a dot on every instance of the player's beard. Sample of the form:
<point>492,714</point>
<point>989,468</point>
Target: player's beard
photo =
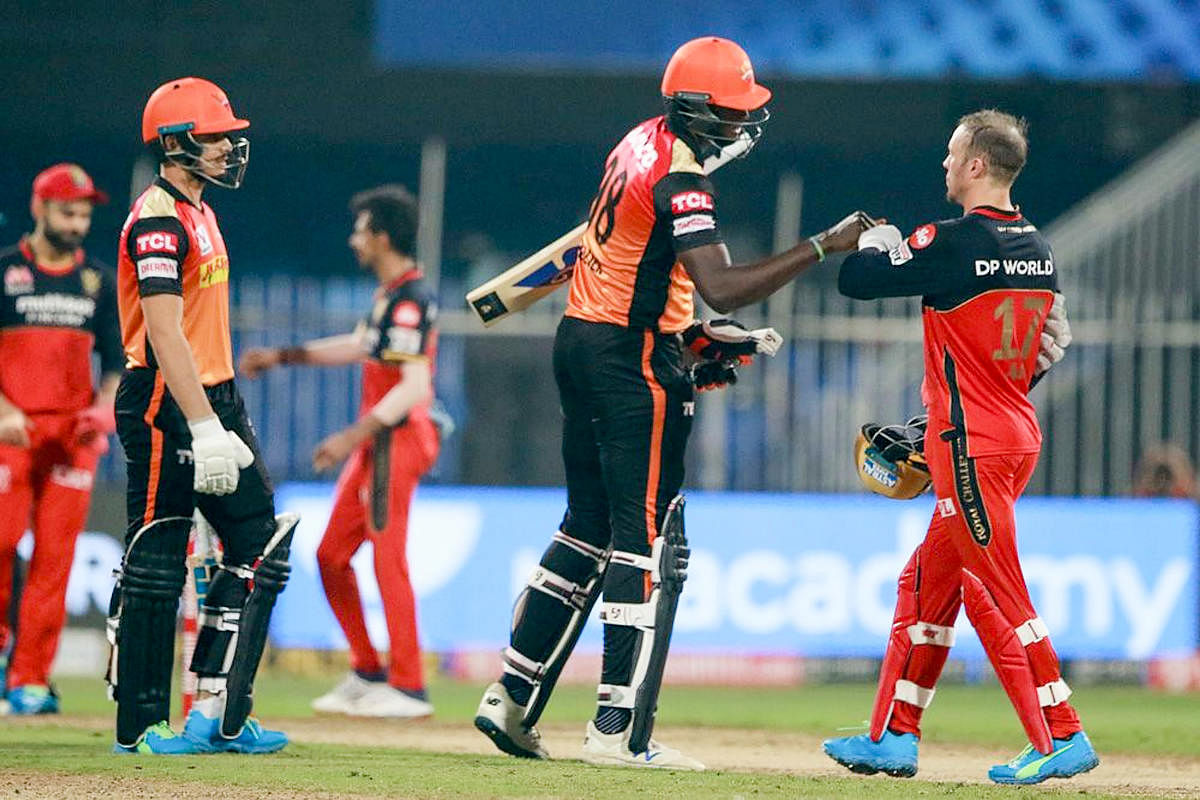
<point>63,241</point>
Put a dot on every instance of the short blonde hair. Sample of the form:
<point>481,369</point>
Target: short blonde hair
<point>1000,139</point>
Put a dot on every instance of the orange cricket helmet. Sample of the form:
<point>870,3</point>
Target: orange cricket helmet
<point>718,68</point>
<point>712,99</point>
<point>187,107</point>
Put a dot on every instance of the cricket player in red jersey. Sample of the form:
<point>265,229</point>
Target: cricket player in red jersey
<point>58,306</point>
<point>189,444</point>
<point>391,445</point>
<point>627,396</point>
<point>993,322</point>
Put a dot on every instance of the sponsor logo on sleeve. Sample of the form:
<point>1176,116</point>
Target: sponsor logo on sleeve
<point>922,237</point>
<point>691,201</point>
<point>157,267</point>
<point>157,242</point>
<point>693,223</point>
<point>407,313</point>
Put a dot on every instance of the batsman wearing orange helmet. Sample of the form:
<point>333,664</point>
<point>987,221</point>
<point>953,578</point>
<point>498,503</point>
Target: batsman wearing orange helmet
<point>652,240</point>
<point>58,307</point>
<point>188,444</point>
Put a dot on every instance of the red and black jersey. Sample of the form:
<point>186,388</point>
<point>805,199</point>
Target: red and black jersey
<point>51,319</point>
<point>400,328</point>
<point>987,281</point>
<point>654,202</point>
<point>171,246</point>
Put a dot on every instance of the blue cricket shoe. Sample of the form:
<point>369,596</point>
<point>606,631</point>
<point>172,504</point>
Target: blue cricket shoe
<point>254,738</point>
<point>895,754</point>
<point>33,699</point>
<point>160,740</point>
<point>1070,756</point>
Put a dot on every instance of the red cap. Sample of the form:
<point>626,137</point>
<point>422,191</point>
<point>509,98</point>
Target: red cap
<point>65,182</point>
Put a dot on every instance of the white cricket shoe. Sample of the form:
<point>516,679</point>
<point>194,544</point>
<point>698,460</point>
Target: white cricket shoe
<point>613,748</point>
<point>499,718</point>
<point>384,701</point>
<point>341,698</point>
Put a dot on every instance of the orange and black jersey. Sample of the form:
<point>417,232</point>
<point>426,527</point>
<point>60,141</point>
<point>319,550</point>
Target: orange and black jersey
<point>400,328</point>
<point>654,202</point>
<point>51,320</point>
<point>171,246</point>
<point>987,280</point>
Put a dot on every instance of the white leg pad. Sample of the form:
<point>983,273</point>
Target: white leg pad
<point>1032,631</point>
<point>522,667</point>
<point>551,583</point>
<point>909,692</point>
<point>928,633</point>
<point>591,551</point>
<point>1053,693</point>
<point>633,615</point>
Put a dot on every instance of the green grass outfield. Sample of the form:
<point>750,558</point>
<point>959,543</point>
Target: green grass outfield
<point>1119,720</point>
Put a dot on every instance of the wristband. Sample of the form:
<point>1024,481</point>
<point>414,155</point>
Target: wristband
<point>817,246</point>
<point>293,355</point>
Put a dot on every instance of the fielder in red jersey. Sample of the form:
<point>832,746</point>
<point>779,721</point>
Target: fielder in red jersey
<point>988,287</point>
<point>58,307</point>
<point>393,443</point>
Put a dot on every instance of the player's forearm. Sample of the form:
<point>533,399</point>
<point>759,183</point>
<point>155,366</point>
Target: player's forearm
<point>328,352</point>
<point>106,395</point>
<point>414,388</point>
<point>174,356</point>
<point>735,286</point>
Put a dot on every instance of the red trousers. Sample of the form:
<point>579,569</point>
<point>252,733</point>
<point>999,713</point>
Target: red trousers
<point>46,487</point>
<point>970,552</point>
<point>371,501</point>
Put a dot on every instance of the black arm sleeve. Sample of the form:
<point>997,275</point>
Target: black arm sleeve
<point>684,202</point>
<point>108,331</point>
<point>158,247</point>
<point>905,271</point>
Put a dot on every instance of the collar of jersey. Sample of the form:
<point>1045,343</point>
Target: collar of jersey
<point>997,213</point>
<point>166,186</point>
<point>27,251</point>
<point>410,275</point>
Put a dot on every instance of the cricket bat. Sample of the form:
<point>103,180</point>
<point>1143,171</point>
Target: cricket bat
<point>522,285</point>
<point>531,279</point>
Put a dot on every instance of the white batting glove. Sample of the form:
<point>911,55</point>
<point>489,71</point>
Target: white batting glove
<point>721,339</point>
<point>1056,335</point>
<point>881,237</point>
<point>218,455</point>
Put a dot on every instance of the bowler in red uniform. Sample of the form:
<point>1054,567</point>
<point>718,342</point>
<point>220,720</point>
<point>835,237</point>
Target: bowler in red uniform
<point>387,450</point>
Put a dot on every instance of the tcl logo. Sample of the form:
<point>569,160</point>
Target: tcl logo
<point>922,237</point>
<point>158,242</point>
<point>691,201</point>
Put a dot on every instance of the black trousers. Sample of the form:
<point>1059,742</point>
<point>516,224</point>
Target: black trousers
<point>627,406</point>
<point>158,455</point>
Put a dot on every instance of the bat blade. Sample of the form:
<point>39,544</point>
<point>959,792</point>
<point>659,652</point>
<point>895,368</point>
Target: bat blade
<point>528,281</point>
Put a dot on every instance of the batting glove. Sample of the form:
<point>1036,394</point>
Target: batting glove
<point>218,455</point>
<point>710,375</point>
<point>728,339</point>
<point>881,237</point>
<point>1056,335</point>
